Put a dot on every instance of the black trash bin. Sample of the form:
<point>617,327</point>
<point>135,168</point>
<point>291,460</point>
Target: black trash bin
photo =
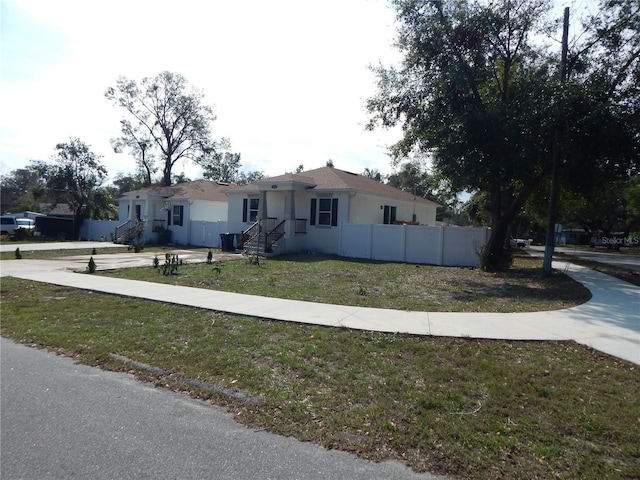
<point>226,242</point>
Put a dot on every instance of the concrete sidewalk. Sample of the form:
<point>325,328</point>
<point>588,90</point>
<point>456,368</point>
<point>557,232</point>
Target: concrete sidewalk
<point>609,322</point>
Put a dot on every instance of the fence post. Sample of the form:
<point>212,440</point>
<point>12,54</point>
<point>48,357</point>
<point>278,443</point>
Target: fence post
<point>404,243</point>
<point>441,246</point>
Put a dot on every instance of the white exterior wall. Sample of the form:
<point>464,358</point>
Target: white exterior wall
<point>205,210</point>
<point>322,238</point>
<point>181,234</point>
<point>234,212</point>
<point>155,211</point>
<point>123,208</point>
<point>275,204</point>
<point>365,209</point>
<point>194,210</point>
<point>352,208</point>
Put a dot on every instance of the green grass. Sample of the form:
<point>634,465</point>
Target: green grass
<point>343,281</point>
<point>467,408</point>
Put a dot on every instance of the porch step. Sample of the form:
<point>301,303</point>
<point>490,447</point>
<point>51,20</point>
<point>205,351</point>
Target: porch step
<point>254,247</point>
<point>263,243</point>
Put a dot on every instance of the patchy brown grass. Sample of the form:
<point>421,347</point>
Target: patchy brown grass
<point>400,286</point>
<point>477,409</point>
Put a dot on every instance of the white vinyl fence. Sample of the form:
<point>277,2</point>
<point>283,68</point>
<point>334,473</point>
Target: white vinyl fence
<point>206,234</point>
<point>201,233</point>
<point>450,246</point>
<point>98,230</point>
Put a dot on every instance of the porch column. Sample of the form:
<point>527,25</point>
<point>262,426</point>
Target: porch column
<point>262,211</point>
<point>131,209</point>
<point>290,206</point>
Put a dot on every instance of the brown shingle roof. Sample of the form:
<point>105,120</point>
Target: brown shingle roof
<point>333,179</point>
<point>196,190</point>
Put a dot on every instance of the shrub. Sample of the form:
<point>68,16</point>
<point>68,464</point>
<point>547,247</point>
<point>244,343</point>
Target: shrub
<point>18,254</point>
<point>92,266</point>
<point>20,234</point>
<point>171,263</point>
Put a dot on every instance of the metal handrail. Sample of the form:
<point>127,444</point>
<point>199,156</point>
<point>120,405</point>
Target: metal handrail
<point>274,235</point>
<point>123,232</point>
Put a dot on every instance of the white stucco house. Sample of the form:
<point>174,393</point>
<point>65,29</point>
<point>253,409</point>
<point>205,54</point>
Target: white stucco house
<point>171,209</point>
<point>304,212</point>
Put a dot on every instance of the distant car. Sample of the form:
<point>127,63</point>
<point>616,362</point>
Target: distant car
<point>27,224</point>
<point>520,242</point>
<point>9,225</point>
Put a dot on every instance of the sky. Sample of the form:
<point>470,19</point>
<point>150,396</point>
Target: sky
<point>288,79</point>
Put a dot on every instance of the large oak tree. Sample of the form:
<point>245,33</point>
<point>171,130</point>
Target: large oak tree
<point>478,90</point>
<point>165,115</point>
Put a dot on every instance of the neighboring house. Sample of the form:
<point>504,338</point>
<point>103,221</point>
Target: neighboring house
<point>26,214</point>
<point>170,209</point>
<point>61,210</point>
<point>304,212</point>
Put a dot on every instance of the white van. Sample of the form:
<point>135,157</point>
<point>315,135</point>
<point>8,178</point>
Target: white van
<point>9,225</point>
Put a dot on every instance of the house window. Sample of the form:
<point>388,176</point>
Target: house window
<point>324,211</point>
<point>250,209</point>
<point>389,215</point>
<point>178,215</point>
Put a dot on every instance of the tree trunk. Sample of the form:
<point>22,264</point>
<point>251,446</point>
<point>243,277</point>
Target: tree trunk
<point>166,178</point>
<point>496,256</point>
<point>166,172</point>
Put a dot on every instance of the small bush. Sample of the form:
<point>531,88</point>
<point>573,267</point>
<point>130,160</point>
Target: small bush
<point>20,234</point>
<point>92,266</point>
<point>171,263</point>
<point>209,258</point>
<point>156,262</point>
<point>18,254</point>
<point>94,252</point>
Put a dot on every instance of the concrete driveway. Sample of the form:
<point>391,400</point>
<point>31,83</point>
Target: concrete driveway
<point>11,247</point>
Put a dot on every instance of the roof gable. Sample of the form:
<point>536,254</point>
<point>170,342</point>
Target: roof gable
<point>196,190</point>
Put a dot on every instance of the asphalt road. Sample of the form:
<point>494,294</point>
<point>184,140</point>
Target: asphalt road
<point>61,420</point>
<point>619,260</point>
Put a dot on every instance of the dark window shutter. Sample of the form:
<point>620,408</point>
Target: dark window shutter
<point>386,215</point>
<point>168,216</point>
<point>312,219</point>
<point>244,209</point>
<point>334,212</point>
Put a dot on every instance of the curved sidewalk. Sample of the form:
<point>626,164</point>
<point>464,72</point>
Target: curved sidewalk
<point>609,322</point>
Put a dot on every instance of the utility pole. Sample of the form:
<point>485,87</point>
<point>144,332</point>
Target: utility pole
<point>550,242</point>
